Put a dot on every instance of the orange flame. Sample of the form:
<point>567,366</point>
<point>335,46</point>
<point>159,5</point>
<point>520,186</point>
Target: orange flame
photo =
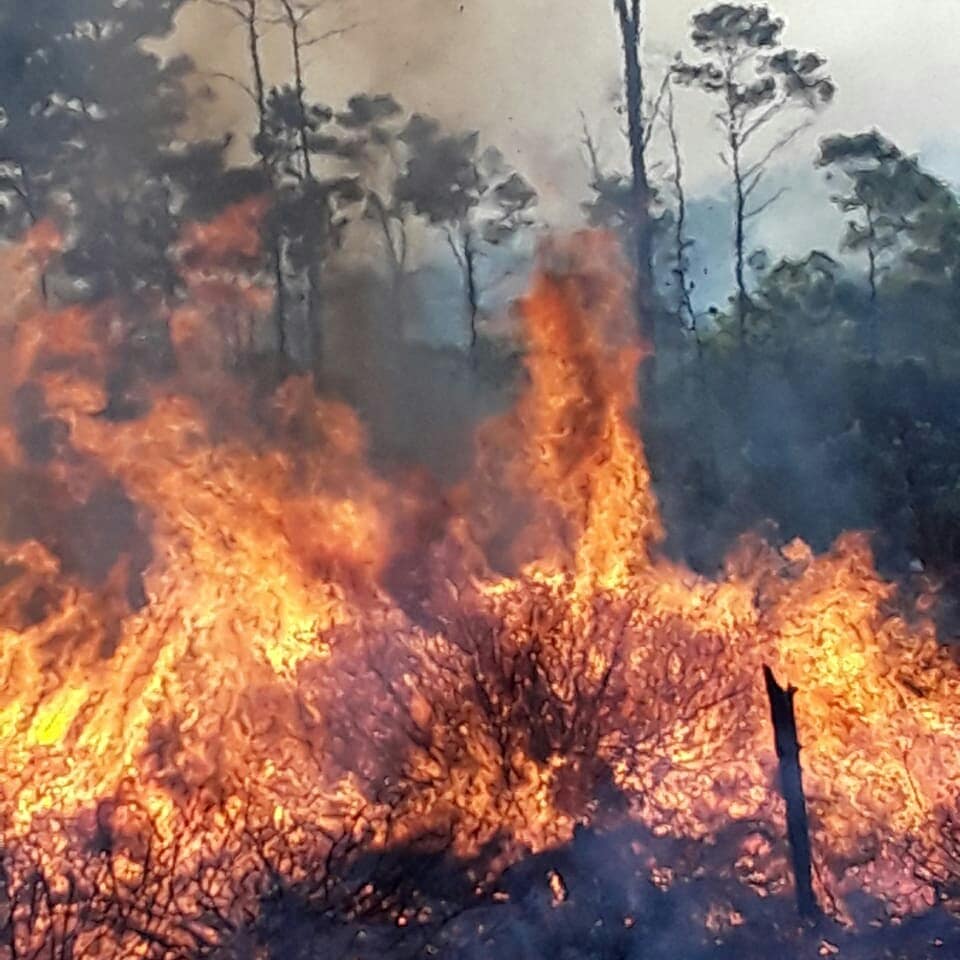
<point>229,682</point>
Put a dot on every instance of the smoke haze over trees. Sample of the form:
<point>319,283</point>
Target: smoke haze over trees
<point>278,212</point>
<point>390,232</point>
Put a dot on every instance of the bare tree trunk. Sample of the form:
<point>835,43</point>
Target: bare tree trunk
<point>396,243</point>
<point>629,15</point>
<point>276,246</point>
<point>316,341</point>
<point>872,279</point>
<point>256,64</point>
<point>470,278</point>
<point>314,281</point>
<point>293,23</point>
<point>686,314</point>
<point>465,253</point>
<point>249,13</point>
<point>740,221</point>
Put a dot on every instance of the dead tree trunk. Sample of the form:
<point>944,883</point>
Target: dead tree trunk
<point>250,14</point>
<point>314,294</point>
<point>629,17</point>
<point>470,279</point>
<point>791,786</point>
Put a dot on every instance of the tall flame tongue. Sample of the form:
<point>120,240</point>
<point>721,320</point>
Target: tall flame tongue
<point>205,683</point>
<point>568,453</point>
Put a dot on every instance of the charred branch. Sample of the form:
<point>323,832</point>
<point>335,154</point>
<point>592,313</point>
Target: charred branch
<point>791,785</point>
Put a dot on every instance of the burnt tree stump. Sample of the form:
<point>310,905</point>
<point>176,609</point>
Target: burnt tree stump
<point>791,787</point>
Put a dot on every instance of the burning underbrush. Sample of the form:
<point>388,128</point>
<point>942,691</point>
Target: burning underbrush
<point>257,700</point>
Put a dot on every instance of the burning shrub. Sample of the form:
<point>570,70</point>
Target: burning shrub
<point>262,749</point>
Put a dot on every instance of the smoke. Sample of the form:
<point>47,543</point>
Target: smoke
<point>399,360</point>
<point>520,73</point>
<point>447,58</point>
<point>595,899</point>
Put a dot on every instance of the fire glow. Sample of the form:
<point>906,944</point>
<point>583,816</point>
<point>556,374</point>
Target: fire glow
<point>279,665</point>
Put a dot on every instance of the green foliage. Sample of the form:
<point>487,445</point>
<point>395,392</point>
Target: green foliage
<point>907,224</point>
<point>897,208</point>
<point>447,181</point>
<point>368,112</point>
<point>476,198</point>
<point>757,81</point>
<point>80,95</point>
<point>279,142</point>
<point>797,299</point>
<point>748,68</point>
<point>441,180</point>
<point>299,143</point>
<point>609,208</point>
<point>89,133</point>
<point>728,26</point>
<point>848,414</point>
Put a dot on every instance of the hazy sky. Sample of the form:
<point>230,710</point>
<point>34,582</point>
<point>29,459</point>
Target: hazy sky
<point>521,70</point>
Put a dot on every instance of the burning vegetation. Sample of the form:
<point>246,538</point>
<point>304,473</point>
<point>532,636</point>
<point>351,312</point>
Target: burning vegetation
<point>257,700</point>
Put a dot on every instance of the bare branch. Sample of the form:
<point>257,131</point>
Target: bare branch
<point>685,310</point>
<point>219,75</point>
<point>290,18</point>
<point>591,147</point>
<point>762,119</point>
<point>750,183</point>
<point>453,246</point>
<point>739,60</point>
<point>769,202</point>
<point>333,32</point>
<point>229,6</point>
<point>655,112</point>
<point>782,142</point>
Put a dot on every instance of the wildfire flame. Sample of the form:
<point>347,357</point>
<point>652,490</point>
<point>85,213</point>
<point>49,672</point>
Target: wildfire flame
<point>207,681</point>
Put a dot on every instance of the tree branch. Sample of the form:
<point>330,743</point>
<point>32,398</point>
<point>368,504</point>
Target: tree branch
<point>227,5</point>
<point>448,231</point>
<point>750,214</point>
<point>219,75</point>
<point>784,141</point>
<point>752,182</point>
<point>655,112</point>
<point>763,118</point>
<point>591,146</point>
<point>333,32</point>
<point>685,303</point>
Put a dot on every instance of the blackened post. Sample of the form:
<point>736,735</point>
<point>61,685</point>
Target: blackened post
<point>791,786</point>
<point>8,933</point>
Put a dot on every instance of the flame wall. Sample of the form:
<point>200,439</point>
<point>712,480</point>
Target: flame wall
<point>208,678</point>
